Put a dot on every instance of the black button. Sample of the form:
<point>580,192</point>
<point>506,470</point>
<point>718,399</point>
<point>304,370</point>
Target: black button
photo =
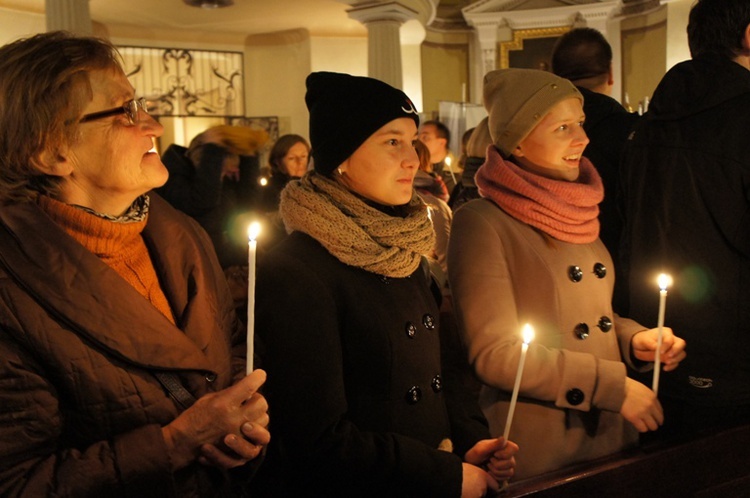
<point>413,395</point>
<point>210,377</point>
<point>605,323</point>
<point>428,321</point>
<point>411,329</point>
<point>581,330</point>
<point>437,383</point>
<point>575,273</point>
<point>600,270</point>
<point>574,396</point>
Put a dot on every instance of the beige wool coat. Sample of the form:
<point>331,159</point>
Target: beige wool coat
<point>504,273</point>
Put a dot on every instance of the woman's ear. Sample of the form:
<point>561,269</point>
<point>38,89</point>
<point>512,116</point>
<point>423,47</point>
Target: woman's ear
<point>53,163</point>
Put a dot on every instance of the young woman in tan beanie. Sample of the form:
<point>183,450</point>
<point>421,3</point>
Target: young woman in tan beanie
<point>529,252</point>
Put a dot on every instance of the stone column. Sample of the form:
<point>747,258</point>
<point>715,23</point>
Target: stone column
<point>69,15</point>
<point>383,22</point>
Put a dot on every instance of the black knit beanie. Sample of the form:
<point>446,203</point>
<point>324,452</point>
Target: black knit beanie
<point>345,110</point>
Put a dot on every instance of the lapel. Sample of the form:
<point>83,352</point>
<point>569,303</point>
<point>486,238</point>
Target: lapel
<point>92,300</point>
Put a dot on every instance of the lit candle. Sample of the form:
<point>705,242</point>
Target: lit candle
<point>664,281</point>
<point>528,336</point>
<point>252,233</point>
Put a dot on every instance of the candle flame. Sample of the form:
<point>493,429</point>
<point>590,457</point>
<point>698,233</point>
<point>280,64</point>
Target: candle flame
<point>253,230</point>
<point>664,281</point>
<point>263,181</point>
<point>528,333</point>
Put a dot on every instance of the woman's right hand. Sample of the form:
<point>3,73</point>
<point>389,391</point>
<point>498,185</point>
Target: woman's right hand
<point>218,418</point>
<point>476,482</point>
<point>641,407</point>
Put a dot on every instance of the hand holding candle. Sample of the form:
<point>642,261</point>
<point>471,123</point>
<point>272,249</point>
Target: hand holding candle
<point>528,336</point>
<point>252,233</point>
<point>664,281</point>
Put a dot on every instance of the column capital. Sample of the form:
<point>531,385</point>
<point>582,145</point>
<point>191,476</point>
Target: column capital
<point>367,12</point>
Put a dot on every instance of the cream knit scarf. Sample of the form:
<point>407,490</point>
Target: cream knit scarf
<point>564,210</point>
<point>354,232</point>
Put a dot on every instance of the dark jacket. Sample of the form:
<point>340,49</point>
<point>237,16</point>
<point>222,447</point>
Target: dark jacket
<point>687,203</point>
<point>607,125</point>
<point>217,204</point>
<point>80,411</point>
<point>360,401</point>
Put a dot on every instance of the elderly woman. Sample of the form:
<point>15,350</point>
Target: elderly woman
<point>121,370</point>
<point>364,405</point>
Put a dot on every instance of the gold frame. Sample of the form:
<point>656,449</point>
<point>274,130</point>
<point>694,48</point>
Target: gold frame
<point>525,34</point>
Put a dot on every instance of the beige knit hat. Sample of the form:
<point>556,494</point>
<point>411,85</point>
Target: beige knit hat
<point>517,99</point>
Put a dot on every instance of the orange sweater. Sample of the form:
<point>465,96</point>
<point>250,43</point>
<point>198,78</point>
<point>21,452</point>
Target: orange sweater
<point>119,245</point>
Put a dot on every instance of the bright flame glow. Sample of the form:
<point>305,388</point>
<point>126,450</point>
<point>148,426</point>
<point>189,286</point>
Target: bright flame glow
<point>528,333</point>
<point>448,160</point>
<point>263,181</point>
<point>253,230</point>
<point>664,281</point>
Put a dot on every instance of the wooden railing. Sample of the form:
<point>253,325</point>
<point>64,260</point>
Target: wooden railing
<point>716,465</point>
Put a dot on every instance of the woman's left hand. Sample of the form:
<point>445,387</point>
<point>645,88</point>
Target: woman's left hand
<point>644,344</point>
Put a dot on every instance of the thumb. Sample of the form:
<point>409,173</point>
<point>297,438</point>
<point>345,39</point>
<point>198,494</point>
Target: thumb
<point>485,448</point>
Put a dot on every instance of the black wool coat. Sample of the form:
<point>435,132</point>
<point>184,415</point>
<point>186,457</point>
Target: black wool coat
<point>359,399</point>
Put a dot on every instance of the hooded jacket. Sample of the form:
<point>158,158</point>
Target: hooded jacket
<point>687,204</point>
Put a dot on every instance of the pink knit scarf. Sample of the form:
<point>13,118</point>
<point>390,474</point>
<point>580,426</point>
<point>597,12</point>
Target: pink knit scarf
<point>566,211</point>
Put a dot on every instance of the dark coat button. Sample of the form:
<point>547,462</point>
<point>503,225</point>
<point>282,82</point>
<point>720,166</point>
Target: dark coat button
<point>574,396</point>
<point>600,270</point>
<point>581,330</point>
<point>575,273</point>
<point>428,321</point>
<point>605,323</point>
<point>413,395</point>
<point>411,330</point>
<point>437,383</point>
<point>210,377</point>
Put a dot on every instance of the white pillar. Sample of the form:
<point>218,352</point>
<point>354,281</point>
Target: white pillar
<point>69,15</point>
<point>383,22</point>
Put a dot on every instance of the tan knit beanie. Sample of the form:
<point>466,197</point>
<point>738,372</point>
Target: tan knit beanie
<point>517,99</point>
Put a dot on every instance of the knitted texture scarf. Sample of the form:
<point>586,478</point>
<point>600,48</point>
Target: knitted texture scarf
<point>356,233</point>
<point>566,211</point>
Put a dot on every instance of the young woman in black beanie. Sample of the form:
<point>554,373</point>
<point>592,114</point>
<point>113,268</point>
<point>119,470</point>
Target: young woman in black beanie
<point>348,327</point>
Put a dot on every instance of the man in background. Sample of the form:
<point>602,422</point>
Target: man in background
<point>686,181</point>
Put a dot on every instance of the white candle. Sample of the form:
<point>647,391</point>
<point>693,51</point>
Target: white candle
<point>252,233</point>
<point>528,336</point>
<point>664,281</point>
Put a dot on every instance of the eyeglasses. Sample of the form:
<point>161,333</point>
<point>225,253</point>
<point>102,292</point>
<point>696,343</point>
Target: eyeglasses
<point>129,108</point>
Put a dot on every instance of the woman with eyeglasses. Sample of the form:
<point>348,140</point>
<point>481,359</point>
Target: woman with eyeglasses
<point>121,358</point>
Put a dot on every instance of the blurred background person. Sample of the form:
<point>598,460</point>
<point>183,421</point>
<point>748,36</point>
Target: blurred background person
<point>433,192</point>
<point>122,367</point>
<point>476,152</point>
<point>436,136</point>
<point>215,181</point>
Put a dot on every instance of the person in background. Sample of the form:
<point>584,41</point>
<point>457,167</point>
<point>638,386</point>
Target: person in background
<point>289,159</point>
<point>436,136</point>
<point>349,326</point>
<point>584,56</point>
<point>686,184</point>
<point>528,252</point>
<point>476,152</point>
<point>215,181</point>
<point>122,367</point>
<point>433,193</point>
